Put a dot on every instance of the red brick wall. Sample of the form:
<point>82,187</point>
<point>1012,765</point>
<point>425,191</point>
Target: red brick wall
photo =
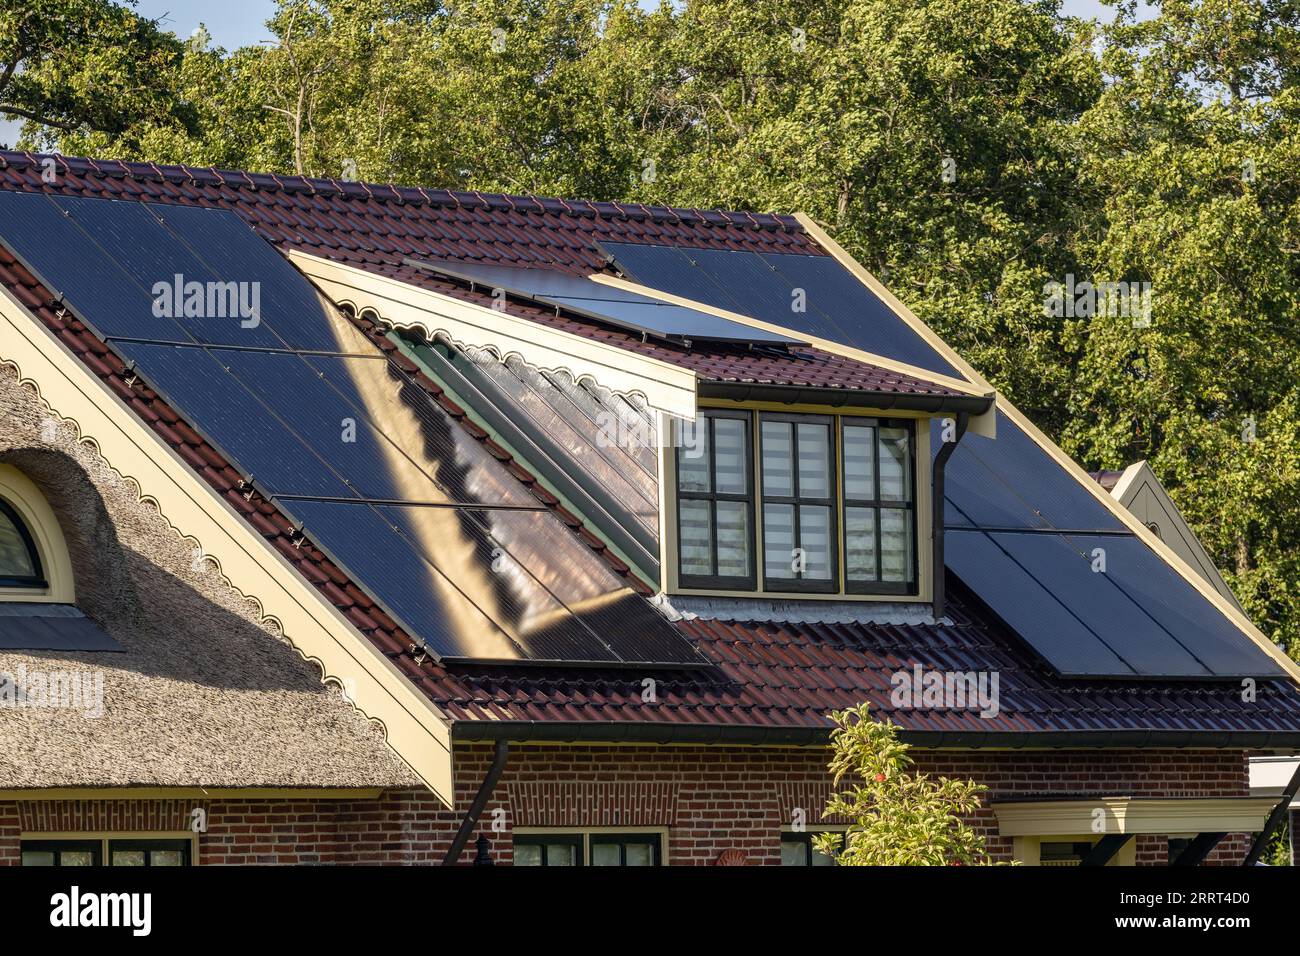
<point>711,799</point>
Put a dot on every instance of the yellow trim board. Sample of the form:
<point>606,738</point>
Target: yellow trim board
<point>664,386</point>
<point>1133,815</point>
<point>1189,574</point>
<point>192,793</point>
<point>415,730</point>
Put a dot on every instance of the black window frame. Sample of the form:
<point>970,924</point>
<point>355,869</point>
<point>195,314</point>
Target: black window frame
<point>879,504</point>
<point>621,840</point>
<point>25,534</point>
<point>575,840</point>
<point>94,847</point>
<point>799,585</point>
<point>149,846</point>
<point>806,837</point>
<point>717,581</point>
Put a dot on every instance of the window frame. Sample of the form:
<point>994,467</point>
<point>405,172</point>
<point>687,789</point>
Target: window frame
<point>38,581</point>
<point>585,837</point>
<point>718,581</point>
<point>920,587</point>
<point>806,837</point>
<point>148,846</point>
<point>92,846</point>
<point>881,586</point>
<point>834,478</point>
<point>103,842</point>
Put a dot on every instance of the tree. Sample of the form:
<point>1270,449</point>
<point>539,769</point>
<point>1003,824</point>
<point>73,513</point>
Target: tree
<point>76,65</point>
<point>898,818</point>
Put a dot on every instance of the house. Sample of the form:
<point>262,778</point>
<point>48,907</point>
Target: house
<point>347,523</point>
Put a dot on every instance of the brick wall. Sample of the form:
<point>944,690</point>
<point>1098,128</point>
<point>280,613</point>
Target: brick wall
<point>710,799</point>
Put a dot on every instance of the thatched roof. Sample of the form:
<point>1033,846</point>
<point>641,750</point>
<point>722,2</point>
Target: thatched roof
<point>202,695</point>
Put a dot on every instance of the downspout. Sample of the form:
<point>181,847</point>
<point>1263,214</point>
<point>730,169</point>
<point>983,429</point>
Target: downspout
<point>502,752</point>
<point>1274,819</point>
<point>937,513</point>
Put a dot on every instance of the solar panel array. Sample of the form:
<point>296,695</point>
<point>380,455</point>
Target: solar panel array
<point>1035,545</point>
<point>348,444</point>
<point>604,303</point>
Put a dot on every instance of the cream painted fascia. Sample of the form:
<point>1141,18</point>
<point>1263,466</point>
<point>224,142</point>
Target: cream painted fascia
<point>667,463</point>
<point>1140,491</point>
<point>415,730</point>
<point>1133,815</point>
<point>192,793</point>
<point>1027,851</point>
<point>1189,574</point>
<point>56,564</point>
<point>665,387</point>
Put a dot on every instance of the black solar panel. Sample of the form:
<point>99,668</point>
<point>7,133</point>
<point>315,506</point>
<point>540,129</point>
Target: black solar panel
<point>380,475</point>
<point>628,310</point>
<point>1139,618</point>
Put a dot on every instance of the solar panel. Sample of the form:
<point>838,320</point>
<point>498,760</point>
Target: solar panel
<point>1141,619</point>
<point>810,294</point>
<point>628,310</point>
<point>382,476</point>
<point>1029,608</point>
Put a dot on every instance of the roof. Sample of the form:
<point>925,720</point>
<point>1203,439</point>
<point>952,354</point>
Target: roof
<point>376,228</point>
<point>770,681</point>
<point>220,702</point>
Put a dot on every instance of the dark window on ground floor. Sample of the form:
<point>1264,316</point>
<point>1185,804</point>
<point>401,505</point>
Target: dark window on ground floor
<point>612,848</point>
<point>95,852</point>
<point>797,850</point>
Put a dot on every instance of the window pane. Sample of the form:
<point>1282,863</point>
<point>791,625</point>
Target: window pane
<point>778,540</point>
<point>15,559</point>
<point>815,539</point>
<point>695,544</point>
<point>860,462</point>
<point>814,460</point>
<point>640,854</point>
<point>778,454</point>
<point>895,465</point>
<point>561,854</point>
<point>693,455</point>
<point>528,854</point>
<point>167,858</point>
<point>128,858</point>
<point>895,544</point>
<point>732,456</point>
<point>605,854</point>
<point>733,539</point>
<point>794,853</point>
<point>860,544</point>
<point>821,859</point>
<point>38,858</point>
<point>76,858</point>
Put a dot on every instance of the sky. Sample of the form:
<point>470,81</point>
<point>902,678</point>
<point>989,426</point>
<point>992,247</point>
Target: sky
<point>236,23</point>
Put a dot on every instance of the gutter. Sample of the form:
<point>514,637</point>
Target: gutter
<point>1274,819</point>
<point>846,398</point>
<point>938,579</point>
<point>480,801</point>
<point>630,731</point>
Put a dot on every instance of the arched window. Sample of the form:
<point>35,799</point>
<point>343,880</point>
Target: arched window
<point>20,562</point>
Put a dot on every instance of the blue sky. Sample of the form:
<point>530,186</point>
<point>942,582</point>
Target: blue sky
<point>235,23</point>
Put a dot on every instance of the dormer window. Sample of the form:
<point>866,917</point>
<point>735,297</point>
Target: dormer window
<point>827,500</point>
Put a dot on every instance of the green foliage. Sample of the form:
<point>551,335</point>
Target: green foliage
<point>898,818</point>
